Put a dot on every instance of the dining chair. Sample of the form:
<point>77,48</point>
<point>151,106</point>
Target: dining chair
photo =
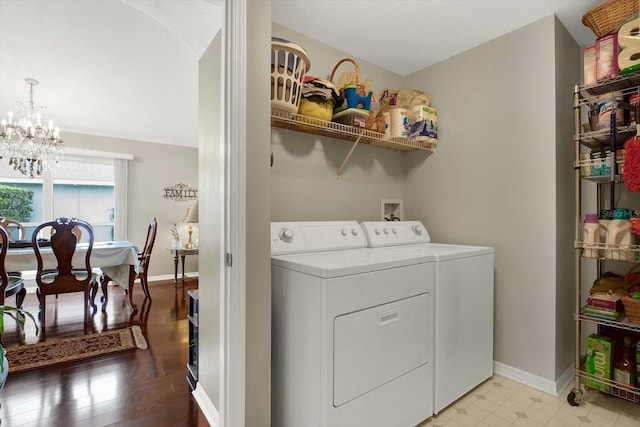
<point>145,256</point>
<point>9,224</point>
<point>9,284</point>
<point>66,277</point>
<point>143,262</point>
<point>78,232</point>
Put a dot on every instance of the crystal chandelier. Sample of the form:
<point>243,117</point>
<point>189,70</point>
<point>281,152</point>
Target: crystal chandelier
<point>31,146</point>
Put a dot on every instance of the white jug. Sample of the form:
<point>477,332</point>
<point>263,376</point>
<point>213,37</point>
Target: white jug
<point>619,237</point>
<point>591,236</point>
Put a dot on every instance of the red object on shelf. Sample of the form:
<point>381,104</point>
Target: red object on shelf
<point>607,301</point>
<point>631,172</point>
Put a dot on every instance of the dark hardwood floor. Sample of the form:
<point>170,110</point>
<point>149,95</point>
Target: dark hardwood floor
<point>133,388</point>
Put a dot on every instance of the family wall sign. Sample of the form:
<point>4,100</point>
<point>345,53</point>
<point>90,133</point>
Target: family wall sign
<point>180,192</point>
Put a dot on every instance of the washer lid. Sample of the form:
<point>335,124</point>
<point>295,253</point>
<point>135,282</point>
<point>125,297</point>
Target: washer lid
<point>331,264</point>
<point>442,252</point>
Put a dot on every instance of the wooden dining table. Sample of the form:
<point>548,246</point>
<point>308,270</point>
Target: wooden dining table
<point>118,261</point>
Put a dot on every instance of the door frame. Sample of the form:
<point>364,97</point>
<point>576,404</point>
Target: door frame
<point>233,307</point>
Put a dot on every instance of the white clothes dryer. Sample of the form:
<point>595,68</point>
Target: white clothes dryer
<point>352,330</point>
<point>463,346</point>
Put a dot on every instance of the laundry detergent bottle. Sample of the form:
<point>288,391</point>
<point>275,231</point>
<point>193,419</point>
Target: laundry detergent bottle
<point>619,237</point>
<point>606,215</point>
<point>591,234</point>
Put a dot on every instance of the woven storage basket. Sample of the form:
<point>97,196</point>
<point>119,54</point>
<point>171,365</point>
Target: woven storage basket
<point>289,64</point>
<point>631,305</point>
<point>607,16</point>
<point>353,97</point>
<point>359,85</point>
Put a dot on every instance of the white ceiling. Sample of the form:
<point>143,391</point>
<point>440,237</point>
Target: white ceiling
<point>125,69</point>
<point>128,68</point>
<point>405,36</point>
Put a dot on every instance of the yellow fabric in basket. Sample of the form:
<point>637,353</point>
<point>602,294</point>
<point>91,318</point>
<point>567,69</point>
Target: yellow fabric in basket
<point>317,108</point>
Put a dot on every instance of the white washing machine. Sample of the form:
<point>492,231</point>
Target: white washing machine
<point>463,346</point>
<point>352,330</point>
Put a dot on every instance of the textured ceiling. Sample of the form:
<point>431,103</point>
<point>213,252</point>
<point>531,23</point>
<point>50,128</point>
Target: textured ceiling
<point>128,68</point>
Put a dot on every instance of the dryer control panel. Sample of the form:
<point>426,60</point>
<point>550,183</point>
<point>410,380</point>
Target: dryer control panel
<point>394,233</point>
<point>308,236</point>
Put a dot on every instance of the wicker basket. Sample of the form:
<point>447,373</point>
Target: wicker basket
<point>359,85</point>
<point>631,305</point>
<point>607,16</point>
<point>355,95</point>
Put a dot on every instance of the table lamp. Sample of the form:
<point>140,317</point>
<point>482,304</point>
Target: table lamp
<point>190,218</point>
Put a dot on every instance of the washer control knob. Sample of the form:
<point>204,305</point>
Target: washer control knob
<point>417,230</point>
<point>394,230</point>
<point>286,235</point>
<point>385,230</point>
<point>354,231</point>
<point>377,231</point>
<point>344,232</point>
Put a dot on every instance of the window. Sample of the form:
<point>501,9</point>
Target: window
<point>84,185</point>
<point>84,188</point>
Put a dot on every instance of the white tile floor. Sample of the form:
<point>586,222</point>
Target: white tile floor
<point>500,402</point>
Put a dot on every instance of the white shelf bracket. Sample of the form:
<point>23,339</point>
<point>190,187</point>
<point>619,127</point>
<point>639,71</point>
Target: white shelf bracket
<point>346,159</point>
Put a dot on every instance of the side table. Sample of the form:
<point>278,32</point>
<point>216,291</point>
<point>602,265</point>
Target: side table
<point>180,253</point>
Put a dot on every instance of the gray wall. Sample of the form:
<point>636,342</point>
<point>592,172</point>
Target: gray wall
<point>493,181</point>
<point>305,166</point>
<point>568,74</point>
<point>153,167</point>
<point>258,208</point>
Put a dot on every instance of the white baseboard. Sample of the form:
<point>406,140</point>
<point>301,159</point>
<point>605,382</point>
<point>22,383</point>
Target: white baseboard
<point>206,406</point>
<point>171,276</point>
<point>554,388</point>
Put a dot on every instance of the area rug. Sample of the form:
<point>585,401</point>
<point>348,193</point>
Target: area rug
<point>64,350</point>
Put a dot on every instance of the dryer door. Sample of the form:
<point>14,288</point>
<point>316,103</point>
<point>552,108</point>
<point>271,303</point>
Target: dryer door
<point>378,344</point>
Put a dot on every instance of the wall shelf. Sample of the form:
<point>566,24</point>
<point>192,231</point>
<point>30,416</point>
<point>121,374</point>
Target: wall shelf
<point>311,125</point>
<point>305,124</point>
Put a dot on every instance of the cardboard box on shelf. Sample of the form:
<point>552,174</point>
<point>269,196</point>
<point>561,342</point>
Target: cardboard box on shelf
<point>600,313</point>
<point>606,301</point>
<point>589,60</point>
<point>607,57</point>
<point>599,361</point>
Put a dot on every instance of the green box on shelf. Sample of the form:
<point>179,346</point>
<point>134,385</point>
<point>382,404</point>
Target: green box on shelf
<point>599,361</point>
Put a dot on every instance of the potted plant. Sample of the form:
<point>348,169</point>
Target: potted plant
<point>175,234</point>
<point>20,316</point>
